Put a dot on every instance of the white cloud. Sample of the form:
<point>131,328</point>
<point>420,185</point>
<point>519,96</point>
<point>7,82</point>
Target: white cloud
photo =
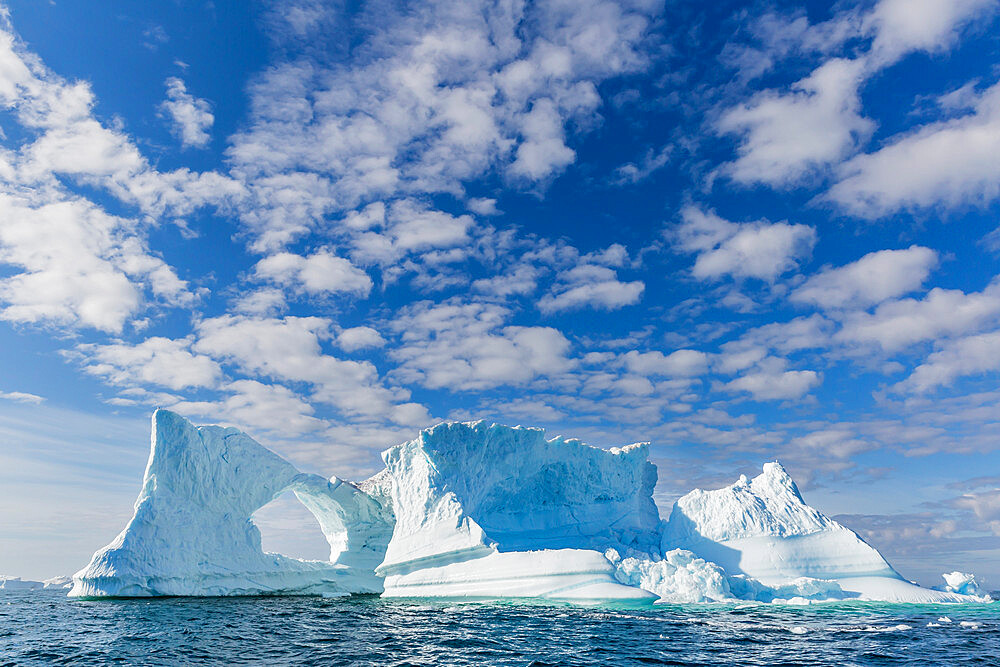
<point>359,338</point>
<point>759,249</point>
<point>465,346</point>
<point>290,349</point>
<point>255,405</point>
<point>21,397</point>
<point>680,363</point>
<point>590,286</point>
<point>191,116</point>
<point>651,162</point>
<point>971,355</point>
<point>156,360</point>
<point>78,265</point>
<point>950,163</point>
<point>897,324</point>
<point>483,206</point>
<point>786,137</point>
<point>435,97</point>
<point>901,26</point>
<point>318,273</point>
<point>870,280</point>
<point>769,381</point>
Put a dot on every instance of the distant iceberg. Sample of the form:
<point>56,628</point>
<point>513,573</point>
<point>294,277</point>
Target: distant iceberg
<point>478,511</point>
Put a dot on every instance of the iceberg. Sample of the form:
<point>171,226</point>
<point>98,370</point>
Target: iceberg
<point>192,532</point>
<point>763,529</point>
<point>487,511</point>
<point>479,511</point>
<point>18,584</point>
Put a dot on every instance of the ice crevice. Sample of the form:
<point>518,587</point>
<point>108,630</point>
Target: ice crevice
<point>483,511</point>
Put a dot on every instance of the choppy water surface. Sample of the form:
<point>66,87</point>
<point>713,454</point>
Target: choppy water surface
<point>46,628</point>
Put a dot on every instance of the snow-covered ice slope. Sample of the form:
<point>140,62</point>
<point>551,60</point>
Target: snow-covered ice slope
<point>192,532</point>
<point>763,529</point>
<point>494,511</point>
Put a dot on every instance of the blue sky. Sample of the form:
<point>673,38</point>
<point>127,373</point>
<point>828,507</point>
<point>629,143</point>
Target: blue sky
<point>743,232</point>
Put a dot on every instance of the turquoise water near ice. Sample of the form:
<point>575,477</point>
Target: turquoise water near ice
<point>46,628</point>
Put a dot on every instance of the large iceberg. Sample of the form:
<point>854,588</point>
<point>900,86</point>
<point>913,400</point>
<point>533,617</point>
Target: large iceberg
<point>493,511</point>
<point>480,511</point>
<point>192,532</point>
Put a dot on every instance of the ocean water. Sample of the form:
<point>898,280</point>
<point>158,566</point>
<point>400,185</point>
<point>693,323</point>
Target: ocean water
<point>46,628</point>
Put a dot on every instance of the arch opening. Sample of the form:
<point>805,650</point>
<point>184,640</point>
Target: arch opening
<point>288,528</point>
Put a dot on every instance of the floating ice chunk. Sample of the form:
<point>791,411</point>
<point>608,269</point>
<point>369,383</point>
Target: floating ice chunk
<point>680,577</point>
<point>192,533</point>
<point>961,583</point>
<point>494,511</point>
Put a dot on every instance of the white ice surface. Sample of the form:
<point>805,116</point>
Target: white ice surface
<point>192,533</point>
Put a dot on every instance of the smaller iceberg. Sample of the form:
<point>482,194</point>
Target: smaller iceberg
<point>763,530</point>
<point>18,584</point>
<point>962,583</point>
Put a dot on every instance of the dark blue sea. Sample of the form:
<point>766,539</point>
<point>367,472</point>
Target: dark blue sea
<point>46,628</point>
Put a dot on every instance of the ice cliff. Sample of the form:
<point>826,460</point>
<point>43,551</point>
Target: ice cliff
<point>192,533</point>
<point>479,511</point>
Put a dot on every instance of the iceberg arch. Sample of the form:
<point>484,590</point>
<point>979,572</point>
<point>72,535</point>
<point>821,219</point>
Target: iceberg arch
<point>192,532</point>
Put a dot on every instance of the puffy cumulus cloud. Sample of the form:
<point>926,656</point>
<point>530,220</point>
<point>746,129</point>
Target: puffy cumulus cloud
<point>870,280</point>
<point>465,346</point>
<point>64,138</point>
<point>759,249</point>
<point>949,163</point>
<point>941,313</point>
<point>837,442</point>
<point>966,356</point>
<point>590,286</point>
<point>769,381</point>
<point>255,405</point>
<point>76,265</point>
<point>159,361</point>
<point>191,117</point>
<point>786,137</point>
<point>901,26</point>
<point>679,363</point>
<point>437,95</point>
<point>290,349</point>
<point>359,338</point>
<point>318,273</point>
